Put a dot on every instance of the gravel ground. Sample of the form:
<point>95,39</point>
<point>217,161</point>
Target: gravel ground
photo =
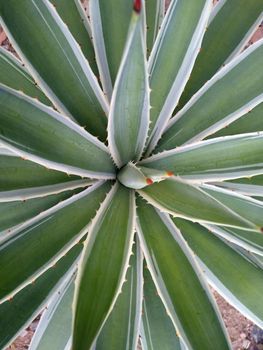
<point>243,334</point>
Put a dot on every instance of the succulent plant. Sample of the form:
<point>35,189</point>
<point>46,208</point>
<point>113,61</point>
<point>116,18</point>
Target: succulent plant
<point>131,172</point>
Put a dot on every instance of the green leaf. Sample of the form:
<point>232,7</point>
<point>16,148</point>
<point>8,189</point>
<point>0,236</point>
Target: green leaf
<point>129,111</point>
<point>154,16</point>
<point>229,25</point>
<point>33,247</point>
<point>66,69</point>
<point>55,326</point>
<point>182,31</point>
<point>252,242</point>
<point>16,212</point>
<point>17,173</point>
<point>231,274</point>
<point>74,16</point>
<point>38,133</point>
<point>217,103</point>
<point>180,282</point>
<point>121,329</point>
<point>188,201</point>
<point>19,312</point>
<point>248,208</point>
<point>109,22</point>
<point>222,158</point>
<point>104,265</point>
<point>14,75</point>
<point>250,122</point>
<point>158,331</point>
<point>252,186</point>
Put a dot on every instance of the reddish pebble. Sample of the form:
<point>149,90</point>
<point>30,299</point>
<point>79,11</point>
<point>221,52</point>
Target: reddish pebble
<point>137,5</point>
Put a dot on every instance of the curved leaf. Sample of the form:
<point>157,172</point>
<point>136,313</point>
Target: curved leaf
<point>121,329</point>
<point>154,15</point>
<point>248,208</point>
<point>14,75</point>
<point>18,173</point>
<point>250,122</point>
<point>229,25</point>
<point>129,111</point>
<point>184,200</point>
<point>181,32</point>
<point>16,212</point>
<point>55,326</point>
<point>20,311</point>
<point>64,76</point>
<point>231,93</point>
<point>74,16</point>
<point>104,265</point>
<point>158,331</point>
<point>180,282</point>
<point>252,186</point>
<point>37,245</point>
<point>240,281</point>
<point>222,158</point>
<point>109,22</point>
<point>38,133</point>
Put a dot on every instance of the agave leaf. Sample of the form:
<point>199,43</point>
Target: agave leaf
<point>249,208</point>
<point>74,16</point>
<point>104,264</point>
<point>129,110</point>
<point>55,327</point>
<point>250,122</point>
<point>121,329</point>
<point>176,275</point>
<point>221,158</point>
<point>188,201</point>
<point>16,212</point>
<point>181,32</point>
<point>231,93</point>
<point>52,233</point>
<point>252,186</point>
<point>19,312</point>
<point>65,70</point>
<point>21,179</point>
<point>42,191</point>
<point>232,275</point>
<point>38,133</point>
<point>230,27</point>
<point>252,242</point>
<point>17,173</point>
<point>158,331</point>
<point>14,75</point>
<point>109,19</point>
<point>154,16</point>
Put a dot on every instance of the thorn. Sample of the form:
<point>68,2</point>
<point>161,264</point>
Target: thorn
<point>137,6</point>
<point>149,181</point>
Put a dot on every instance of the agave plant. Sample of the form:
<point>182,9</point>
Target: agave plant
<point>131,172</point>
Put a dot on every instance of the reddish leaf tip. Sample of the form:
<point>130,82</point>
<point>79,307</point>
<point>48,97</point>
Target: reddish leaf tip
<point>169,173</point>
<point>149,181</point>
<point>137,5</point>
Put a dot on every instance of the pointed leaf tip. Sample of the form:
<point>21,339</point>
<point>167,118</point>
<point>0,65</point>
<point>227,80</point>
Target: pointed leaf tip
<point>149,181</point>
<point>137,6</point>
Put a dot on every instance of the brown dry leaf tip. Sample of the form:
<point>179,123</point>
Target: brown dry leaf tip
<point>149,181</point>
<point>169,173</point>
<point>137,6</point>
<point>261,229</point>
